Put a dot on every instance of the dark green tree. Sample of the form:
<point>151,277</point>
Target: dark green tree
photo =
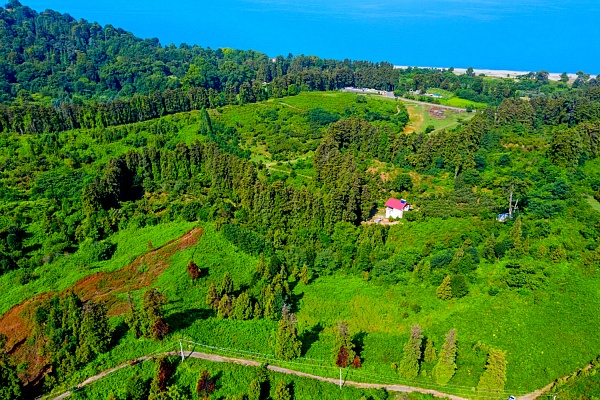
<point>287,345</point>
<point>95,332</point>
<point>212,297</point>
<point>10,385</point>
<point>226,285</point>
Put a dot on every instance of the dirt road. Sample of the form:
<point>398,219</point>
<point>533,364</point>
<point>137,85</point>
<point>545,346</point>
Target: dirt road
<point>252,363</point>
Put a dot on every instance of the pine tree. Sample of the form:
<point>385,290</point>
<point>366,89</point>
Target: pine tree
<point>343,351</point>
<point>446,366</point>
<point>268,303</point>
<point>304,275</point>
<point>254,389</point>
<point>258,312</point>
<point>295,273</point>
<point>10,385</point>
<point>430,355</point>
<point>153,314</point>
<point>227,285</point>
<point>212,297</point>
<point>282,392</point>
<point>458,285</point>
<point>409,367</point>
<point>224,307</point>
<point>287,346</point>
<point>516,235</point>
<point>494,376</point>
<point>241,307</point>
<point>444,291</point>
<point>489,249</point>
<point>134,319</point>
<point>94,333</point>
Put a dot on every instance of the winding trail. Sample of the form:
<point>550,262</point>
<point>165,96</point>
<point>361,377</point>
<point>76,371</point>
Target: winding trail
<point>252,363</point>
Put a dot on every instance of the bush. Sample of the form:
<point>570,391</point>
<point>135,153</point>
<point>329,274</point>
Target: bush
<point>93,251</point>
<point>441,259</point>
<point>504,161</point>
<point>402,182</point>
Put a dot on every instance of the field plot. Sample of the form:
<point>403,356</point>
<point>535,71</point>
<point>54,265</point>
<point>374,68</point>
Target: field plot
<point>423,116</point>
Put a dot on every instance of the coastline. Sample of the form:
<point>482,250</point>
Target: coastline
<point>500,73</point>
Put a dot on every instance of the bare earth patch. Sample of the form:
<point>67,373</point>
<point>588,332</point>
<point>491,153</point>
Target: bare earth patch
<point>103,286</point>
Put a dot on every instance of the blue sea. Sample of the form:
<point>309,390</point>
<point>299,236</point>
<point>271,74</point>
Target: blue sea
<point>558,36</point>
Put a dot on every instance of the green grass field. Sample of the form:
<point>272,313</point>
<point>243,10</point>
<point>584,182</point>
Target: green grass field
<point>517,322</point>
<point>66,270</point>
<point>420,118</point>
<point>450,99</point>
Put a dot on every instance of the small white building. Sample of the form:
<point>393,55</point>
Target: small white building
<point>395,208</point>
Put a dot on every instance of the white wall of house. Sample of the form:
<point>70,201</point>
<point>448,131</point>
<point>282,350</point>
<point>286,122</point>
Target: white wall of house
<point>393,213</point>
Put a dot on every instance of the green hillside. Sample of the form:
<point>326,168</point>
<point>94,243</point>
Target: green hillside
<point>245,213</point>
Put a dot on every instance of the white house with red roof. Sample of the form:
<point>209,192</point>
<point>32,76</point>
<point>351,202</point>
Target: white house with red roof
<point>395,208</point>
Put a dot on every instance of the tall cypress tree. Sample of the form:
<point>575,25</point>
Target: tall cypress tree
<point>446,366</point>
<point>494,377</point>
<point>444,291</point>
<point>226,285</point>
<point>95,332</point>
<point>430,354</point>
<point>409,367</point>
<point>287,346</point>
<point>343,352</point>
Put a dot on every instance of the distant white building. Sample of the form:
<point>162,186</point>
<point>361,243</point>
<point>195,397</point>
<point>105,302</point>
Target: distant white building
<point>395,208</point>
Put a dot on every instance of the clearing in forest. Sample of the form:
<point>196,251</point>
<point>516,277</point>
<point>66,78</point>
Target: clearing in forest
<point>422,116</point>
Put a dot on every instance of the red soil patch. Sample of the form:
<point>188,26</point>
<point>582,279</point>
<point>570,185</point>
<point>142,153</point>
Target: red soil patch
<point>103,286</point>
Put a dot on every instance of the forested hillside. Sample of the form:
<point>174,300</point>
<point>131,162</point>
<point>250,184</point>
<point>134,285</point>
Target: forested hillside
<point>150,194</point>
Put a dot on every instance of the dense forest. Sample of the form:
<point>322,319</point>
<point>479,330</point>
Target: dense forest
<point>154,194</point>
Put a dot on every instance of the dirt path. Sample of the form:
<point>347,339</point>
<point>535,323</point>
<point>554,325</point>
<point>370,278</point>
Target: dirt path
<point>415,120</point>
<point>252,363</point>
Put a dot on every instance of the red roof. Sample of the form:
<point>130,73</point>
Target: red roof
<point>395,203</point>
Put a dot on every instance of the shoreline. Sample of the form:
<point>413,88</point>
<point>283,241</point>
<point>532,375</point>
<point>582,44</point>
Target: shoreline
<point>499,73</point>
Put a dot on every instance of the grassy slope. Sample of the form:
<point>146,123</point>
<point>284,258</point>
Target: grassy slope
<point>66,270</point>
<point>450,99</point>
<point>543,335</point>
<point>544,338</point>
